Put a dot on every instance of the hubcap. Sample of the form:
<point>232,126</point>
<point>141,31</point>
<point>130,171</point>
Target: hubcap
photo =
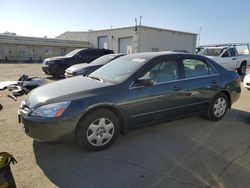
<point>220,106</point>
<point>100,132</point>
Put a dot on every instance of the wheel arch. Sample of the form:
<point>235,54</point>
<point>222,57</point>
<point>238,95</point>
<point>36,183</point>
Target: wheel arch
<point>227,93</point>
<point>244,61</point>
<point>121,117</point>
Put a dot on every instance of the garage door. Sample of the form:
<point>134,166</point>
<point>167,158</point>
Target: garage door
<point>125,45</point>
<point>103,42</point>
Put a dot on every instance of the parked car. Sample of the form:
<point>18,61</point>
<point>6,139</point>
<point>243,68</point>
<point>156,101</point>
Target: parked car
<point>228,57</point>
<point>85,69</point>
<point>246,81</point>
<point>128,92</point>
<point>180,51</point>
<point>56,66</point>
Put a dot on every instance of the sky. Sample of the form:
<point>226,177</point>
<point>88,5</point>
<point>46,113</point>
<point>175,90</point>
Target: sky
<point>220,21</point>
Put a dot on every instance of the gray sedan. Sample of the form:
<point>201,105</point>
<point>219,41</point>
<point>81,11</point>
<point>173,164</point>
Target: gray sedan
<point>128,92</point>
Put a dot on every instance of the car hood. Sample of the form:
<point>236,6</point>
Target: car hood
<point>56,58</point>
<point>78,67</point>
<point>56,91</point>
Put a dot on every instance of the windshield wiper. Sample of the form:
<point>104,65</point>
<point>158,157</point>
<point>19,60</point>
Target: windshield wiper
<point>96,78</point>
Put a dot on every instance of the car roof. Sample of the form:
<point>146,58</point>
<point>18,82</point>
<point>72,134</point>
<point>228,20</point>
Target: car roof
<point>151,55</point>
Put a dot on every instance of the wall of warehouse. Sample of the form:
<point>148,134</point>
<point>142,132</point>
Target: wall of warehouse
<point>145,39</point>
<point>113,37</point>
<point>30,52</point>
<point>164,40</point>
<point>33,49</point>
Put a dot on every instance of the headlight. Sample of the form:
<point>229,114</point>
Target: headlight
<point>49,62</point>
<point>51,110</point>
<point>79,72</point>
<point>82,72</point>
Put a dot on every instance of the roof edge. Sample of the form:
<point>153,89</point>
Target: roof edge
<point>142,26</point>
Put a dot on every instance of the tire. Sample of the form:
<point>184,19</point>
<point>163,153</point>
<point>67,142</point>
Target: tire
<point>98,130</point>
<point>242,69</point>
<point>218,107</point>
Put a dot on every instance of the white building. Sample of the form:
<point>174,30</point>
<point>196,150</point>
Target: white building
<point>136,39</point>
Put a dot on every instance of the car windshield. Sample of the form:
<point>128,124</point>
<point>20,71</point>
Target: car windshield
<point>211,51</point>
<point>118,70</point>
<point>103,60</point>
<point>74,52</point>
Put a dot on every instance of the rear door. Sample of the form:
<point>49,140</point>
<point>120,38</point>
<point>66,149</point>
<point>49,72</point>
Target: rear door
<point>199,82</point>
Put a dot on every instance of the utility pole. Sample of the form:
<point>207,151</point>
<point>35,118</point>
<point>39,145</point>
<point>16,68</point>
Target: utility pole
<point>139,41</point>
<point>199,37</point>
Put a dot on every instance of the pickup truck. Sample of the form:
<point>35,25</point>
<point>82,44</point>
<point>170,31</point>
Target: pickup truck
<point>227,57</point>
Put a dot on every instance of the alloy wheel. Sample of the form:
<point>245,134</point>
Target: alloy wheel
<point>220,107</point>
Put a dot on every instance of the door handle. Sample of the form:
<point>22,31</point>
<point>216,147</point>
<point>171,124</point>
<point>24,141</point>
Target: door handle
<point>233,58</point>
<point>213,81</point>
<point>176,88</point>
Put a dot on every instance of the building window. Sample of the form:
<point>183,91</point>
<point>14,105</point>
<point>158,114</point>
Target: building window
<point>155,49</point>
<point>22,50</point>
<point>63,51</point>
<point>47,51</point>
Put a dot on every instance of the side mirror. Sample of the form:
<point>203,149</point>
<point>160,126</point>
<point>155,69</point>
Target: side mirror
<point>142,82</point>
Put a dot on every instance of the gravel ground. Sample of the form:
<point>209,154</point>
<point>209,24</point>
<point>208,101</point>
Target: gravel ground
<point>190,152</point>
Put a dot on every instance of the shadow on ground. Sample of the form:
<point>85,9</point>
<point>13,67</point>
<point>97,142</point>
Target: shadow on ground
<point>191,152</point>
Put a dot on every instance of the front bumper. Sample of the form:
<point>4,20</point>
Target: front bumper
<point>49,69</point>
<point>48,129</point>
<point>46,69</point>
<point>246,81</point>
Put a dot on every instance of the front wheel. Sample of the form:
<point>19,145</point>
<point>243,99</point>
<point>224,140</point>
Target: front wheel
<point>218,107</point>
<point>98,130</point>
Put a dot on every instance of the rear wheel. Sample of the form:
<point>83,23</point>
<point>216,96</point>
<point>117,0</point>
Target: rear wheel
<point>242,69</point>
<point>98,130</point>
<point>218,107</point>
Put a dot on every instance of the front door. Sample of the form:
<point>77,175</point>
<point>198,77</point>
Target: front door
<point>159,100</point>
<point>229,59</point>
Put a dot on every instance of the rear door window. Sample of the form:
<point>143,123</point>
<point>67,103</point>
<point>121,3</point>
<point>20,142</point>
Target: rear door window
<point>232,52</point>
<point>195,68</point>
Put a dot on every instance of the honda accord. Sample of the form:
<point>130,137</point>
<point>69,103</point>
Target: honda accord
<point>128,92</point>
